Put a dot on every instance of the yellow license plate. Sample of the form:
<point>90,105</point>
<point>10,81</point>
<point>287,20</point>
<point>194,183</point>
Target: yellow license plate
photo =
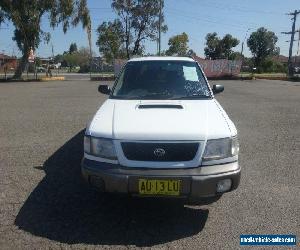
<point>159,187</point>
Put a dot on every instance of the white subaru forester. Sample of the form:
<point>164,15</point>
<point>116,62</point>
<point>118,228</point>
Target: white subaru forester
<point>161,133</point>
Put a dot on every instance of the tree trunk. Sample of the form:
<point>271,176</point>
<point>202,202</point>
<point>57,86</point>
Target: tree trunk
<point>127,38</point>
<point>137,44</point>
<point>89,33</point>
<point>136,47</point>
<point>138,41</point>
<point>22,63</point>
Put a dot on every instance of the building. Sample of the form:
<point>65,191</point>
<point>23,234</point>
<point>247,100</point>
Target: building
<point>281,59</point>
<point>8,63</point>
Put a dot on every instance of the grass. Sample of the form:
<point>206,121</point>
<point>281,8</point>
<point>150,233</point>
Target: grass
<point>244,74</point>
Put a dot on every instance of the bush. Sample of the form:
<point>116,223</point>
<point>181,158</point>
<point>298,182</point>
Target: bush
<point>271,66</point>
<point>84,68</point>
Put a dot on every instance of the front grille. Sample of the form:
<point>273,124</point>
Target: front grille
<point>137,151</point>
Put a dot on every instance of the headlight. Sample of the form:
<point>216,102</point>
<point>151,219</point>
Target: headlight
<point>235,147</point>
<point>100,147</point>
<point>87,144</point>
<point>221,148</point>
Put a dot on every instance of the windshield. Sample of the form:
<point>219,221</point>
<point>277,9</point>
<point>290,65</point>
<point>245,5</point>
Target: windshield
<point>161,80</point>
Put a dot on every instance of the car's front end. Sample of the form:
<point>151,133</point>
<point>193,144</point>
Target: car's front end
<point>170,147</point>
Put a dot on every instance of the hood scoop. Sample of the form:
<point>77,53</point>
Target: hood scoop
<point>160,106</point>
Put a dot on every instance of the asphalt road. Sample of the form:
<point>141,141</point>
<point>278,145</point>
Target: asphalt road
<point>44,203</point>
<point>68,76</point>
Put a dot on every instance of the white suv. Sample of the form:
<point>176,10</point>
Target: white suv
<point>162,133</point>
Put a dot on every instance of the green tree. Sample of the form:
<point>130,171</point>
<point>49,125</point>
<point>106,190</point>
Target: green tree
<point>191,53</point>
<point>270,65</point>
<point>26,16</point>
<point>58,58</point>
<point>213,48</point>
<point>178,45</point>
<point>227,43</point>
<point>111,40</point>
<point>38,62</point>
<point>262,43</point>
<point>71,60</point>
<point>79,58</point>
<point>140,21</point>
<point>73,48</point>
<point>1,16</point>
<point>236,56</point>
<point>217,48</point>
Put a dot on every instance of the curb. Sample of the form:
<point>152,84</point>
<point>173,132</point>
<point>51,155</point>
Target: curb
<point>272,78</point>
<point>54,78</point>
<point>102,78</point>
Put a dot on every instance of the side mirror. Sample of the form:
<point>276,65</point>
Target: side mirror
<point>217,88</point>
<point>104,89</point>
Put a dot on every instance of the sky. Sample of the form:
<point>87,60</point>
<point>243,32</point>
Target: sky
<point>195,17</point>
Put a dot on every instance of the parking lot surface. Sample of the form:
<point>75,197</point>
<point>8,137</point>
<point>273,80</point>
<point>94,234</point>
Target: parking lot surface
<point>44,202</point>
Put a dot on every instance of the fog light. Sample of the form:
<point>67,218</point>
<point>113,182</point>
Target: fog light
<point>223,185</point>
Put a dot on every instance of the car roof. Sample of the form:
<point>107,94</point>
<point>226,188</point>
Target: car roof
<point>161,58</point>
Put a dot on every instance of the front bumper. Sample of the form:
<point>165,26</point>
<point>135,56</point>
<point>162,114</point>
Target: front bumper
<point>200,182</point>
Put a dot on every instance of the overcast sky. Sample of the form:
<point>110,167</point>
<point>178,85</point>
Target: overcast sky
<point>195,17</point>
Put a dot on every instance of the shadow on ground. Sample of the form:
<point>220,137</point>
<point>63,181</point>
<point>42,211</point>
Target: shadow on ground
<point>63,208</point>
